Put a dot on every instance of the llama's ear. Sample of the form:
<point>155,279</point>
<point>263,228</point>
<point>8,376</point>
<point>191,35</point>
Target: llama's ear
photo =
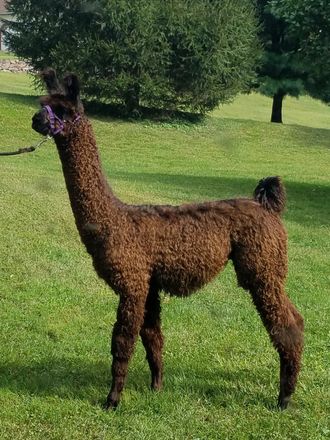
<point>72,87</point>
<point>50,79</point>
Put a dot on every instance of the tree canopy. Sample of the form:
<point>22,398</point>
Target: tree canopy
<point>183,54</point>
<point>309,26</point>
<point>295,36</point>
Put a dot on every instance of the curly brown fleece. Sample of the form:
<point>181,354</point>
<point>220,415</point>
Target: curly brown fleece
<point>141,250</point>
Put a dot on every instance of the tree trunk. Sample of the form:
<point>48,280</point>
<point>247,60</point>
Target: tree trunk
<point>132,99</point>
<point>277,107</point>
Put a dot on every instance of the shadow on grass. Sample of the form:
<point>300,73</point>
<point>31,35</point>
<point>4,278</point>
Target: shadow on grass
<point>298,127</point>
<point>307,204</point>
<point>26,100</point>
<point>64,378</point>
<point>78,379</point>
<point>116,111</point>
<point>99,110</point>
<point>221,387</point>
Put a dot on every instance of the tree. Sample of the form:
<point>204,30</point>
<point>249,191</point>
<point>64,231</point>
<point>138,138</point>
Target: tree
<point>279,73</point>
<point>183,54</point>
<point>290,65</point>
<point>309,25</point>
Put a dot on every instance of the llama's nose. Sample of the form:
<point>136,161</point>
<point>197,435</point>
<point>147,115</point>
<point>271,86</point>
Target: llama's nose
<point>35,118</point>
<point>37,121</point>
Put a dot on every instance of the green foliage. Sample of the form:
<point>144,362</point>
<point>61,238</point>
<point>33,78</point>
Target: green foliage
<point>309,25</point>
<point>296,39</point>
<point>280,71</point>
<point>183,54</point>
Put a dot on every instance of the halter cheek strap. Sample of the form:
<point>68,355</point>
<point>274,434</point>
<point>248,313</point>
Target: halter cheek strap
<point>54,118</point>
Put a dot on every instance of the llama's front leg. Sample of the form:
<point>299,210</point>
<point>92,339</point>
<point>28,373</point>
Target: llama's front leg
<point>152,338</point>
<point>125,332</point>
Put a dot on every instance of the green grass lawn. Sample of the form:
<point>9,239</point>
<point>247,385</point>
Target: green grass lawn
<point>221,373</point>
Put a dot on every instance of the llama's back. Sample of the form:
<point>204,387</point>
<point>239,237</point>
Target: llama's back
<point>192,243</point>
<point>191,247</point>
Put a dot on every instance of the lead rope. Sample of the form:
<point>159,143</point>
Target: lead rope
<point>25,149</point>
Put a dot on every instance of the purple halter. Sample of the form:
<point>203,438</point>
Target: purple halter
<point>53,118</point>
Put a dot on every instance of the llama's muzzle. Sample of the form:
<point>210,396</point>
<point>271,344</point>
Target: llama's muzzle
<point>40,123</point>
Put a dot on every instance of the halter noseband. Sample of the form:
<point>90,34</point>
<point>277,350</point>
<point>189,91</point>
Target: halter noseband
<point>54,118</point>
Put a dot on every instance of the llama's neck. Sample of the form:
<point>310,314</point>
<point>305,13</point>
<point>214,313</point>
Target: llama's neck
<point>93,203</point>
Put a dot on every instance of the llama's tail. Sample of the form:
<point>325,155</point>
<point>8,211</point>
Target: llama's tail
<point>270,193</point>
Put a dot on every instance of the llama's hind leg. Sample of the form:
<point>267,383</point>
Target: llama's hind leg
<point>285,327</point>
<point>261,268</point>
<point>290,347</point>
<point>152,337</point>
<point>125,332</point>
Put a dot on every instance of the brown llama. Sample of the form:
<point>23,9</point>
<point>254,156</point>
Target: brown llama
<point>141,250</point>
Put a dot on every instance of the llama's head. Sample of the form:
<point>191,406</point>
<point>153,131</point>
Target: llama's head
<point>60,108</point>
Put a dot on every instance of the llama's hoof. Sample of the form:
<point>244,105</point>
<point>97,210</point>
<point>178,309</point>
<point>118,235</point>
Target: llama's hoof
<point>156,385</point>
<point>110,404</point>
<point>283,402</point>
